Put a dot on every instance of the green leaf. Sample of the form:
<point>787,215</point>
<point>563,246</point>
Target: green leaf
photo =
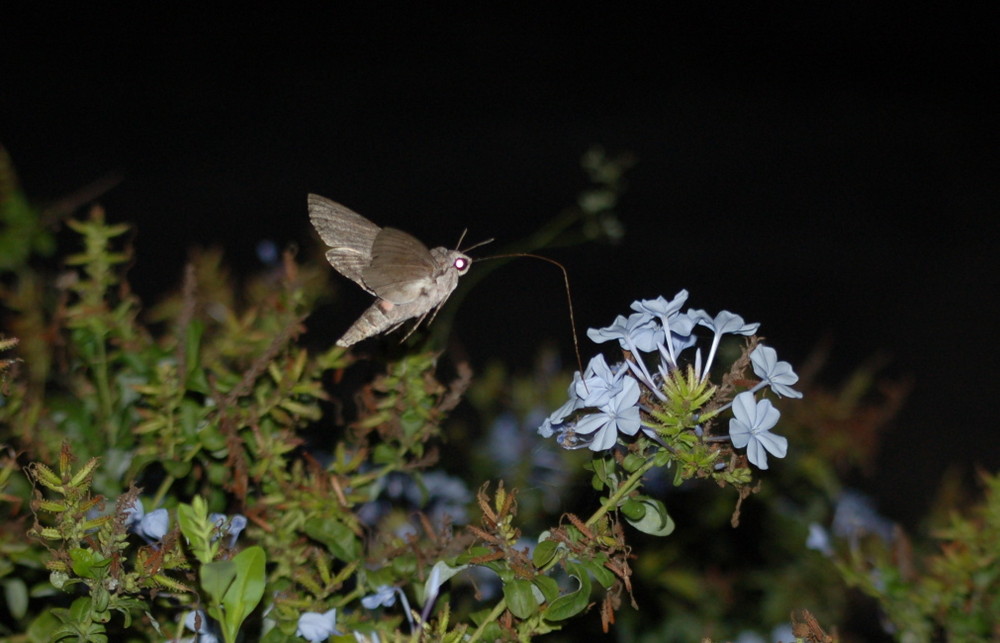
<point>520,596</point>
<point>544,552</point>
<point>216,578</point>
<point>601,574</point>
<point>87,563</point>
<point>571,604</point>
<point>337,536</point>
<point>246,591</point>
<point>656,521</point>
<point>16,594</point>
<point>196,527</point>
<point>548,587</point>
<point>634,509</point>
<point>441,573</point>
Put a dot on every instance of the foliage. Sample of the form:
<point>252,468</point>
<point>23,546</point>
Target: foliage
<point>192,469</point>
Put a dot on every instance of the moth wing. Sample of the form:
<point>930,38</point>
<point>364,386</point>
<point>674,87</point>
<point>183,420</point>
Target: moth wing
<point>401,269</point>
<point>349,235</point>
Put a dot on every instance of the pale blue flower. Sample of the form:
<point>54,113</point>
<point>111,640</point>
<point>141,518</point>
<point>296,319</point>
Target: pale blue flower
<point>134,513</point>
<point>725,323</point>
<point>384,596</point>
<point>619,415</point>
<point>782,633</point>
<point>236,526</point>
<point>819,539</point>
<point>778,375</point>
<point>637,332</point>
<point>551,424</point>
<point>224,525</point>
<point>153,526</point>
<point>600,382</point>
<point>751,428</point>
<point>660,307</point>
<point>316,627</point>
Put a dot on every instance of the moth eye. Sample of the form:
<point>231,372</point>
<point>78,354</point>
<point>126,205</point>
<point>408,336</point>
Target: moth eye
<point>461,264</point>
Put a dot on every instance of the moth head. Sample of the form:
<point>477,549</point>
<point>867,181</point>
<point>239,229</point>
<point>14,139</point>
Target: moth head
<point>461,261</point>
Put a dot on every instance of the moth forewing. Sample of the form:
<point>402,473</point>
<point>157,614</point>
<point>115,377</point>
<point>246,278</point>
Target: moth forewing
<point>349,235</point>
<point>408,279</point>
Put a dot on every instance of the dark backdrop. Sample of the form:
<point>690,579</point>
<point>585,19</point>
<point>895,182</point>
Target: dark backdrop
<point>823,171</point>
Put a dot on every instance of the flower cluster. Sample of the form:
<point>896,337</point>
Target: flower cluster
<point>609,401</point>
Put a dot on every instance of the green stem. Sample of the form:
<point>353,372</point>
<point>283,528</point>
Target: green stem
<point>104,387</point>
<point>623,490</point>
<point>608,505</point>
<point>492,616</point>
<point>161,491</point>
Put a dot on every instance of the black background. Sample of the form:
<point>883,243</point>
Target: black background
<point>827,172</point>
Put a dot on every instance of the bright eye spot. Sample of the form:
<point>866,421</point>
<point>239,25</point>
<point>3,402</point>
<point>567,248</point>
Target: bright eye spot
<point>461,264</point>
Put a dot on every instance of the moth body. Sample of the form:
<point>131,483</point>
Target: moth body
<point>407,279</point>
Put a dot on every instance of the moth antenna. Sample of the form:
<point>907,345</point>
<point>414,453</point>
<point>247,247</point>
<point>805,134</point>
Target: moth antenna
<point>477,245</point>
<point>461,238</point>
<point>569,297</point>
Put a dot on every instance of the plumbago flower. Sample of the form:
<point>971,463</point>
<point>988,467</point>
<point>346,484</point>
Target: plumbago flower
<point>660,401</point>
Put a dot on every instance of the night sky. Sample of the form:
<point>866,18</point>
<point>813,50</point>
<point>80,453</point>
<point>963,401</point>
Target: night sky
<point>829,174</point>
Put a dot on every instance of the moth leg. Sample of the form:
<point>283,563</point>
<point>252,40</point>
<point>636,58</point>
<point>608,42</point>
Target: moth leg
<point>415,327</point>
<point>385,306</point>
<point>433,313</point>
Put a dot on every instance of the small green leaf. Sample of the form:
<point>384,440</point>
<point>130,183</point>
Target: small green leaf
<point>633,509</point>
<point>520,596</point>
<point>632,462</point>
<point>656,521</point>
<point>544,552</point>
<point>601,574</point>
<point>87,563</point>
<point>337,536</point>
<point>571,604</point>
<point>16,594</point>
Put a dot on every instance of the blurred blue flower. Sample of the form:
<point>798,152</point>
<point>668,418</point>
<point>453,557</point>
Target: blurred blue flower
<point>224,525</point>
<point>619,415</point>
<point>134,513</point>
<point>316,627</point>
<point>153,526</point>
<point>751,428</point>
<point>267,252</point>
<point>819,539</point>
<point>206,628</point>
<point>856,516</point>
<point>778,375</point>
<point>384,596</point>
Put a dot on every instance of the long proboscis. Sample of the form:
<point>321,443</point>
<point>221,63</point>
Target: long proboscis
<point>569,297</point>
